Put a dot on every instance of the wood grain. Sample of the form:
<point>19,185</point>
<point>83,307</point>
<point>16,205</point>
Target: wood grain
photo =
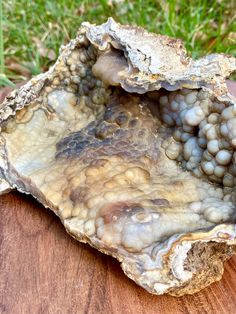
<point>44,270</point>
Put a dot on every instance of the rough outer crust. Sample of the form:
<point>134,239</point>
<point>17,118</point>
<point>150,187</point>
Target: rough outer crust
<point>161,61</point>
<point>180,257</point>
<point>205,260</point>
<point>210,71</point>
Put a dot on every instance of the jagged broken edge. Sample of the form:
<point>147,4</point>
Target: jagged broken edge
<point>152,72</point>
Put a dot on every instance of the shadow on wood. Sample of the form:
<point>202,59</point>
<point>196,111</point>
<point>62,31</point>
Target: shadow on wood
<point>44,270</point>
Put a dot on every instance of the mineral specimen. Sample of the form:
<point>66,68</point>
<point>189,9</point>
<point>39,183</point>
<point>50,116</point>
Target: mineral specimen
<point>132,144</point>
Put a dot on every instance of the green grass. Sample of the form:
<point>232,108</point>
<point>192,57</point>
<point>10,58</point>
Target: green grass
<point>205,27</point>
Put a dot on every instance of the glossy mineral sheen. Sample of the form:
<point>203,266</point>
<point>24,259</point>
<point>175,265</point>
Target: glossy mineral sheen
<point>132,144</point>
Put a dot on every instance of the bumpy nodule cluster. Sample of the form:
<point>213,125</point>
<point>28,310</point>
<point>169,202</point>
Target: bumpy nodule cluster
<point>89,143</point>
<point>204,134</point>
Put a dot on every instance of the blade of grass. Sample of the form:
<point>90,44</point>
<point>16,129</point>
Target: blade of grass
<point>1,42</point>
<point>54,22</point>
<point>4,81</point>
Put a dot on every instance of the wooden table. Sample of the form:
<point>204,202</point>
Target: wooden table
<point>44,270</point>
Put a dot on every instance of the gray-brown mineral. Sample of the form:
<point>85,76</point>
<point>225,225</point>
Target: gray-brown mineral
<point>133,145</point>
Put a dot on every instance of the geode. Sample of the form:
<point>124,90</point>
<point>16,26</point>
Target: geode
<point>132,144</point>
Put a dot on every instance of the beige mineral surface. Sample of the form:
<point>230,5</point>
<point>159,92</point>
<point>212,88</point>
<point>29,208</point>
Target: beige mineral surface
<point>133,145</point>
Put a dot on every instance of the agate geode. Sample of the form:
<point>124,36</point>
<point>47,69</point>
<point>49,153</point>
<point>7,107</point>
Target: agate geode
<point>132,144</point>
